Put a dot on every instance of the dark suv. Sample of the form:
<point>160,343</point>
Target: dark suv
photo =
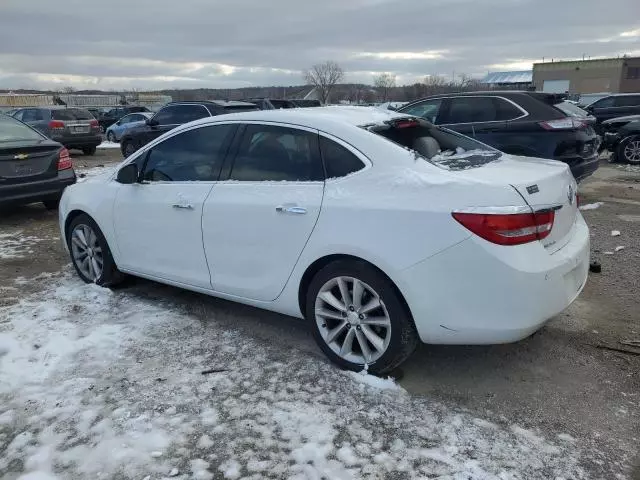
<point>519,123</point>
<point>174,114</point>
<point>111,116</point>
<point>615,105</point>
<point>72,127</point>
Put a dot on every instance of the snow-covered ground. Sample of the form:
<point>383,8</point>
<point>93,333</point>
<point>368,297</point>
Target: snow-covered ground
<point>102,384</point>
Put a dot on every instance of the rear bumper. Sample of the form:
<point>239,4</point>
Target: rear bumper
<point>581,168</point>
<point>479,293</point>
<point>37,191</point>
<point>79,141</point>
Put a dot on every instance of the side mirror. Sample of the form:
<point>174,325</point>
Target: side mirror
<point>128,174</point>
<point>152,122</point>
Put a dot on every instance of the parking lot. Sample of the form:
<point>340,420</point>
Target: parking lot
<point>564,403</point>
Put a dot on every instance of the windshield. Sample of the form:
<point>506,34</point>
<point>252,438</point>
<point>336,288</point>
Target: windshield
<point>71,114</point>
<point>571,109</point>
<point>444,148</point>
<point>11,130</point>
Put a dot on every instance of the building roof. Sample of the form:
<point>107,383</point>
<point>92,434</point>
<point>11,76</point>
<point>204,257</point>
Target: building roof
<point>523,76</point>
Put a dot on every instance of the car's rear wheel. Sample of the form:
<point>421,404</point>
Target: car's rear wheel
<point>51,203</point>
<point>89,150</point>
<point>358,317</point>
<point>629,150</point>
<point>128,148</point>
<point>111,137</point>
<point>90,253</point>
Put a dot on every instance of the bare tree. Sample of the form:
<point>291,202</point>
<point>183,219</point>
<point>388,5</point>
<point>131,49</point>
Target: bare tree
<point>68,89</point>
<point>384,83</point>
<point>324,76</point>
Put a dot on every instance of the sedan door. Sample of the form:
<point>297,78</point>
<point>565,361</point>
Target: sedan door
<point>257,222</point>
<point>158,221</point>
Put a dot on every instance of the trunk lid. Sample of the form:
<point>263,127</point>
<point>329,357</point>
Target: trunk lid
<point>28,161</point>
<point>543,184</point>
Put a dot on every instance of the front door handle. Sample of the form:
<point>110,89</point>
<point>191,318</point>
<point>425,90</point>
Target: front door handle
<point>291,209</point>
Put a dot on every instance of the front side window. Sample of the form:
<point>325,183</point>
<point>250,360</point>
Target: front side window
<point>604,103</point>
<point>338,161</point>
<point>471,110</point>
<point>272,153</point>
<point>428,110</point>
<point>194,155</point>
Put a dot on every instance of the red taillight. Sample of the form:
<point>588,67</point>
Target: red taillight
<point>510,228</point>
<point>406,123</point>
<point>563,124</point>
<point>56,124</point>
<point>64,160</point>
<point>93,123</point>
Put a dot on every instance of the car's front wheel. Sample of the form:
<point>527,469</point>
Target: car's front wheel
<point>111,137</point>
<point>90,252</point>
<point>128,148</point>
<point>629,150</point>
<point>358,317</point>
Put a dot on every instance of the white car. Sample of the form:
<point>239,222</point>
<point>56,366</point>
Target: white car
<point>377,227</point>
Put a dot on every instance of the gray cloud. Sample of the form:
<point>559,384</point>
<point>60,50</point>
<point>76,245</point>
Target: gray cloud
<point>228,43</point>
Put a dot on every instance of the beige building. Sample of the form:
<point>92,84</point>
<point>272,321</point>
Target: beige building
<point>615,75</point>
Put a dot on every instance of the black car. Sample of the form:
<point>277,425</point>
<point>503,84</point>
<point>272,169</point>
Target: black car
<point>174,114</point>
<point>111,116</point>
<point>272,103</point>
<point>33,168</point>
<point>615,105</point>
<point>622,138</point>
<point>516,122</point>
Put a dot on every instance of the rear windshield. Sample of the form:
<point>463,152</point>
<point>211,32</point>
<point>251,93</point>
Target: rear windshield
<point>441,147</point>
<point>71,114</point>
<point>11,130</point>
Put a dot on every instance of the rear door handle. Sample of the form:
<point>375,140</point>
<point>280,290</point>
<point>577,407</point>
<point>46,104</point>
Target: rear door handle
<point>291,209</point>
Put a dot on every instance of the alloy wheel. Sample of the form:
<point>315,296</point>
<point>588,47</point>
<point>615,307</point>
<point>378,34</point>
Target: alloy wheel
<point>86,252</point>
<point>352,320</point>
<point>632,151</point>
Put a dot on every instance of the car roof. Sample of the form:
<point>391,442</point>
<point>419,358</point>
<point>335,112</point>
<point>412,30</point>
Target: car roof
<point>329,119</point>
<point>219,103</point>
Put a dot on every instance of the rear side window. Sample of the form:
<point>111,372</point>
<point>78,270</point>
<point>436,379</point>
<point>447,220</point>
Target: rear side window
<point>627,101</point>
<point>471,110</point>
<point>178,114</point>
<point>71,114</point>
<point>272,153</point>
<point>194,155</point>
<point>506,110</point>
<point>338,161</point>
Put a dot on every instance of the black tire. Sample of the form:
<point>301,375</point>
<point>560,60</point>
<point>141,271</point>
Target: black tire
<point>111,137</point>
<point>128,148</point>
<point>51,203</point>
<point>620,151</point>
<point>110,276</point>
<point>404,337</point>
<point>89,150</point>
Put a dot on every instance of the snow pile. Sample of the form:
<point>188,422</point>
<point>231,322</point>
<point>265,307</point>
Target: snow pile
<point>16,245</point>
<point>591,206</point>
<point>86,173</point>
<point>101,384</point>
<point>463,159</point>
<point>615,233</point>
<point>372,381</point>
<point>107,144</point>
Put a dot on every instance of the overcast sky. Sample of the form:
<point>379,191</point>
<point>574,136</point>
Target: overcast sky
<point>152,44</point>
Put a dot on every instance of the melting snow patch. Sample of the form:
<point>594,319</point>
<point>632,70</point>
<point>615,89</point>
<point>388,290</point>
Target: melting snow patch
<point>106,144</point>
<point>16,245</point>
<point>86,404</point>
<point>591,206</point>
<point>86,173</point>
<point>376,382</point>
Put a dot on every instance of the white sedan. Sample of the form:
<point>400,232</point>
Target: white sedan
<point>378,228</point>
